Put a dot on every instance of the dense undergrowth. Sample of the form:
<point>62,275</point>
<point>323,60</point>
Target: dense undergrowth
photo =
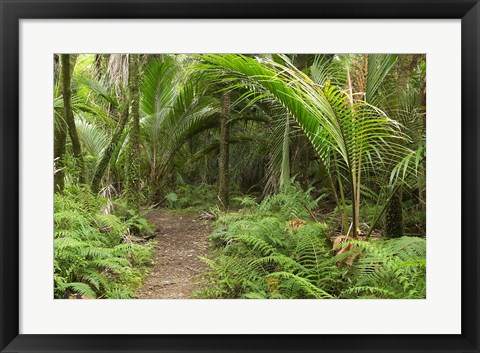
<point>94,257</point>
<point>274,249</point>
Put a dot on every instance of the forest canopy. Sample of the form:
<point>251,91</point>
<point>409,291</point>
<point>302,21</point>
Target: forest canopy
<point>240,176</point>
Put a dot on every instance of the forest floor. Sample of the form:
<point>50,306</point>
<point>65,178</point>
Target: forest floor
<point>177,270</point>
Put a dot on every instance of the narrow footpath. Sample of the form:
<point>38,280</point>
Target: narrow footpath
<point>177,271</point>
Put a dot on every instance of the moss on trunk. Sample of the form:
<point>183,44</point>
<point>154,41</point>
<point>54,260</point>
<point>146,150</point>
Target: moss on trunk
<point>223,192</point>
<point>66,70</point>
<point>132,173</point>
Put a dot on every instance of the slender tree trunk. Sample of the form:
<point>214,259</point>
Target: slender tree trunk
<point>107,154</point>
<point>285,172</point>
<point>60,139</point>
<point>132,162</point>
<point>357,201</point>
<point>355,176</point>
<point>56,68</point>
<point>422,191</point>
<point>69,119</point>
<point>223,192</point>
<point>59,136</point>
<point>355,207</point>
<point>340,196</point>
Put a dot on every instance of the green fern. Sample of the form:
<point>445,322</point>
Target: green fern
<point>90,259</point>
<point>291,202</point>
<point>394,268</point>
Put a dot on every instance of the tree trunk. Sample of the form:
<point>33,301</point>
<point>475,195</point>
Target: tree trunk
<point>69,119</point>
<point>356,221</point>
<point>355,205</point>
<point>56,68</point>
<point>107,154</point>
<point>223,192</point>
<point>60,139</point>
<point>132,163</point>
<point>285,172</point>
<point>394,216</point>
<point>59,135</point>
<point>422,191</point>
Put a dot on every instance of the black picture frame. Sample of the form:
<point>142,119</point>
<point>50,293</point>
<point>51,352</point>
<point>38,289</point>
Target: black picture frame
<point>13,10</point>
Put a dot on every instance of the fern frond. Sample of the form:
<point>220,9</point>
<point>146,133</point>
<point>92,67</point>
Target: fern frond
<point>304,284</point>
<point>80,288</point>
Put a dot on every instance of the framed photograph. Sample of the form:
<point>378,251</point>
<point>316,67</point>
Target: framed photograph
<point>186,176</point>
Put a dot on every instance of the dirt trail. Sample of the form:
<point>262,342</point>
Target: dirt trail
<point>177,270</point>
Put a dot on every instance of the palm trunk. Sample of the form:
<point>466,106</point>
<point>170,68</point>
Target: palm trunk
<point>56,68</point>
<point>340,196</point>
<point>132,163</point>
<point>422,191</point>
<point>355,175</point>
<point>354,203</point>
<point>356,211</point>
<point>69,119</point>
<point>60,139</point>
<point>60,136</point>
<point>357,203</point>
<point>223,192</point>
<point>285,171</point>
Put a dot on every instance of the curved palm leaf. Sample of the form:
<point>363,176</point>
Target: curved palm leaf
<point>359,134</point>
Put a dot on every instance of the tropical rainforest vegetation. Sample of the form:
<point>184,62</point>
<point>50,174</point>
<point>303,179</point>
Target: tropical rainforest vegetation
<point>308,170</point>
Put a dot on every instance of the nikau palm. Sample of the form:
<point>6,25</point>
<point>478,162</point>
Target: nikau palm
<point>173,111</point>
<point>349,137</point>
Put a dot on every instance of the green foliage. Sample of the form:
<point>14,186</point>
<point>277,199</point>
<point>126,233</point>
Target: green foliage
<point>388,269</point>
<point>93,256</point>
<point>291,202</point>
